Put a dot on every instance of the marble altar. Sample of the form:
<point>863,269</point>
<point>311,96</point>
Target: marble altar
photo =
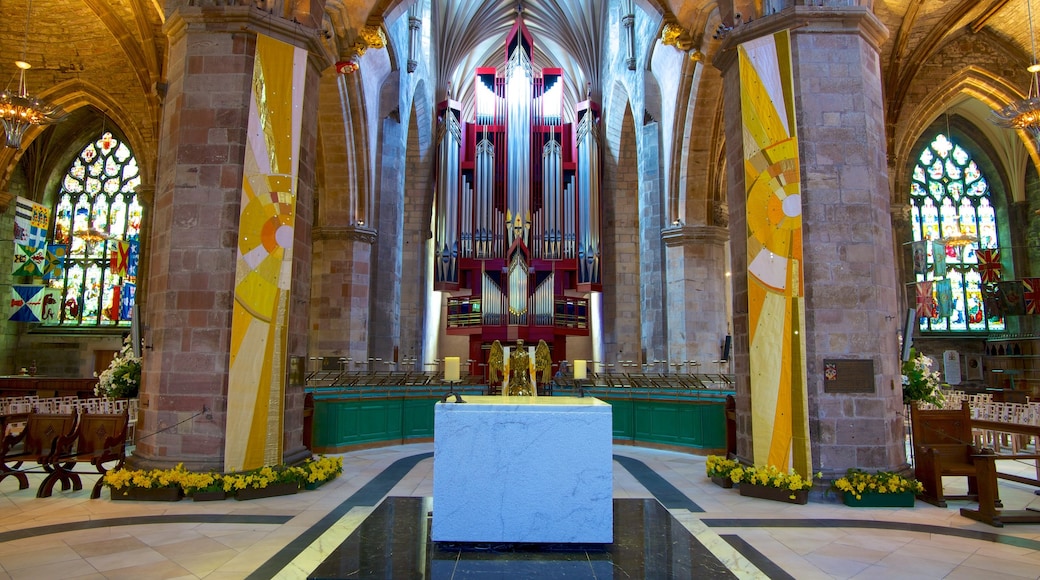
<point>523,469</point>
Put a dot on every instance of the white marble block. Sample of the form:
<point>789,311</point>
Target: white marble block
<point>523,469</point>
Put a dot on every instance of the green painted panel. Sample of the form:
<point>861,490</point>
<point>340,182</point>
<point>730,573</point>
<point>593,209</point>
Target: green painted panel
<point>417,418</point>
<point>372,421</point>
<point>621,412</point>
<point>344,422</point>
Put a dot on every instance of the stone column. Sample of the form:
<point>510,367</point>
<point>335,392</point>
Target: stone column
<point>339,309</point>
<point>696,295</point>
<point>851,290</point>
<point>192,260</point>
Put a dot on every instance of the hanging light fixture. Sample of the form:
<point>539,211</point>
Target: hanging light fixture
<point>1025,114</point>
<point>19,110</point>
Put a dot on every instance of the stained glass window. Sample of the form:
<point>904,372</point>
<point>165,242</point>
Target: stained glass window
<point>97,225</point>
<point>953,222</point>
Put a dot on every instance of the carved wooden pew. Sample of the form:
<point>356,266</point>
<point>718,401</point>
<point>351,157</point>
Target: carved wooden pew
<point>99,439</point>
<point>37,442</point>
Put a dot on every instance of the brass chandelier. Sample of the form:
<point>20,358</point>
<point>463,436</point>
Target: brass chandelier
<point>18,109</point>
<point>1024,114</point>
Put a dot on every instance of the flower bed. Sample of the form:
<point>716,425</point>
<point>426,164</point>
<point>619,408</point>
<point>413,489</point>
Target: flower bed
<point>772,483</point>
<point>881,489</point>
<point>719,468</point>
<point>264,482</point>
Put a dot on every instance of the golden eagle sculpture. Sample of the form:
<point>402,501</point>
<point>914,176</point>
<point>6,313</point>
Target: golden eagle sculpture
<point>496,363</point>
<point>543,362</point>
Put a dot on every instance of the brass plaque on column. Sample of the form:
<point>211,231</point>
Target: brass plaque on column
<point>848,375</point>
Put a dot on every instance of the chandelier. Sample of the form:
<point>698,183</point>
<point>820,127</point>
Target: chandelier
<point>19,110</point>
<point>1025,114</point>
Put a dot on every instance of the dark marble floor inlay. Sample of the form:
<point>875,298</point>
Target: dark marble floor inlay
<point>669,495</point>
<point>871,524</point>
<point>394,542</point>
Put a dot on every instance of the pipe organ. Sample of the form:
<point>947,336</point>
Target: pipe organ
<point>518,202</point>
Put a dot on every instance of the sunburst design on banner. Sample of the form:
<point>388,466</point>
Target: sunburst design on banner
<point>776,303</point>
<point>259,324</point>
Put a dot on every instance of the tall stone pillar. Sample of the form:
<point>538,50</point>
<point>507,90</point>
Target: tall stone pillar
<point>695,257</point>
<point>342,275</point>
<point>194,236</point>
<point>850,285</point>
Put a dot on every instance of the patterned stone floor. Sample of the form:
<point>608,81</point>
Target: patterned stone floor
<point>71,536</point>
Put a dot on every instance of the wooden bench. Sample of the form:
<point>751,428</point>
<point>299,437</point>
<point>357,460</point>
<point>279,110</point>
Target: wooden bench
<point>942,444</point>
<point>987,512</point>
<point>37,442</point>
<point>99,439</point>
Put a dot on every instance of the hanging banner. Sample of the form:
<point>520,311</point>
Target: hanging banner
<point>259,321</point>
<point>54,265</point>
<point>26,303</point>
<point>939,259</point>
<point>920,255</point>
<point>31,221</point>
<point>989,265</point>
<point>1012,302</point>
<point>119,258</point>
<point>29,261</point>
<point>944,298</point>
<point>1031,294</point>
<point>776,293</point>
<point>925,300</point>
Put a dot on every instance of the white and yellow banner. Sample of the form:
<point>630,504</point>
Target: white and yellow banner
<point>776,294</point>
<point>259,324</point>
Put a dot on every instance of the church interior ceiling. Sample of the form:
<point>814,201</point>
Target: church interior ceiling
<point>120,44</point>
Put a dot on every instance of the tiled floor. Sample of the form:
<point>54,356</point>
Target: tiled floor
<point>71,536</point>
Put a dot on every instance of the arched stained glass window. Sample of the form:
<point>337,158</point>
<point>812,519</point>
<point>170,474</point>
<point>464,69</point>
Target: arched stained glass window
<point>97,225</point>
<point>954,232</point>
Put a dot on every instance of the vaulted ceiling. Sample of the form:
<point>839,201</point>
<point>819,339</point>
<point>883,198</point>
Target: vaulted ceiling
<point>119,44</point>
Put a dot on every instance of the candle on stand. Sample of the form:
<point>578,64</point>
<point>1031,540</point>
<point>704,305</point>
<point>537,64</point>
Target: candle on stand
<point>451,368</point>
<point>579,369</point>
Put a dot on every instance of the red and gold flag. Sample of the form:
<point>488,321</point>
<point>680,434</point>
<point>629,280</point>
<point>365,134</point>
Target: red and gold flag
<point>925,300</point>
<point>989,265</point>
<point>1031,293</point>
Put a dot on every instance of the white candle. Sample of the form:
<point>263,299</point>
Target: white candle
<point>579,369</point>
<point>451,368</point>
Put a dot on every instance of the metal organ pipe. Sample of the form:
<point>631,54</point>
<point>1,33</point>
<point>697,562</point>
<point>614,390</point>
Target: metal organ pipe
<point>518,122</point>
<point>447,199</point>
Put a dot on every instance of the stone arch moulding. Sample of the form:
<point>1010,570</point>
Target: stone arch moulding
<point>76,94</point>
<point>613,113</point>
<point>972,82</point>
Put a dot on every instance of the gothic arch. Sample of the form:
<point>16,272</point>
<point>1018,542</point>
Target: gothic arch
<point>970,82</point>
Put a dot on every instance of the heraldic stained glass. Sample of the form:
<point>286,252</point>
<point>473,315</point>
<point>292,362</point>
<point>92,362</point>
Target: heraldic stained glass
<point>98,193</point>
<point>955,241</point>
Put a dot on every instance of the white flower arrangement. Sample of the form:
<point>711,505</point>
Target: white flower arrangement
<point>122,378</point>
<point>920,382</point>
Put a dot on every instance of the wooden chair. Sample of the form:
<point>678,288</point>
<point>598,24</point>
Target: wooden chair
<point>99,439</point>
<point>942,443</point>
<point>36,442</point>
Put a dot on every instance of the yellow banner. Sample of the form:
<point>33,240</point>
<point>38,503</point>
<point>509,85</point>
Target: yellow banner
<point>259,322</point>
<point>776,302</point>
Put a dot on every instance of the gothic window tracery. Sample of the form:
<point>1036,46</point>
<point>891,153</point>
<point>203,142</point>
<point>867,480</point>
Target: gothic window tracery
<point>951,208</point>
<point>97,224</point>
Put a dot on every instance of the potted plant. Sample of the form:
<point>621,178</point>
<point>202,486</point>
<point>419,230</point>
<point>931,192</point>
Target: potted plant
<point>318,472</point>
<point>203,486</point>
<point>142,485</point>
<point>122,378</point>
<point>881,489</point>
<point>268,481</point>
<point>718,469</point>
<point>772,483</point>
<point>920,382</point>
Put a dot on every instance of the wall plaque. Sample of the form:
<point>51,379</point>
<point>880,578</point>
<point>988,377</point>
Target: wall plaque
<point>848,375</point>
